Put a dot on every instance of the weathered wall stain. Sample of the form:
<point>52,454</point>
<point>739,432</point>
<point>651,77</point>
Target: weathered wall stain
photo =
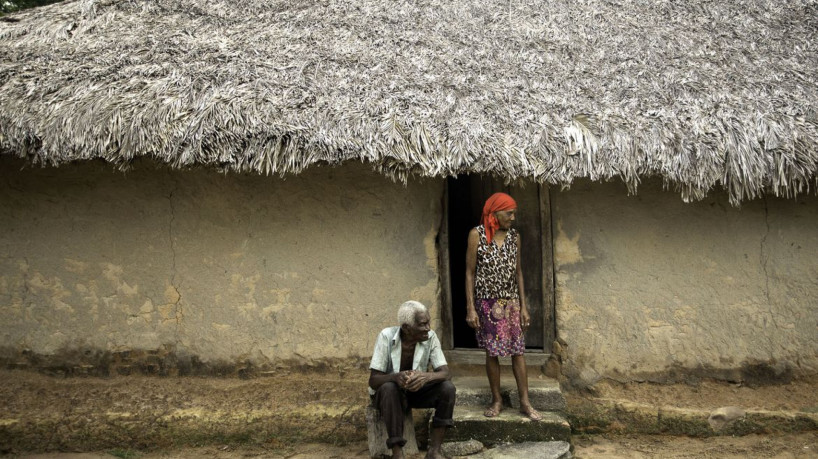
<point>225,268</point>
<point>166,360</point>
<point>566,248</point>
<point>704,287</point>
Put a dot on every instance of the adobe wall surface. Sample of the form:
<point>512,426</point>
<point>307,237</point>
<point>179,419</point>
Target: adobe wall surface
<point>162,271</point>
<point>183,268</point>
<point>651,288</point>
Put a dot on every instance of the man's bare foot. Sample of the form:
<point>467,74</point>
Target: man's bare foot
<point>529,412</point>
<point>493,410</point>
<point>397,453</point>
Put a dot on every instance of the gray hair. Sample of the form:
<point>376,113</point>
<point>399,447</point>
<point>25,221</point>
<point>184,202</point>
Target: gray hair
<point>407,313</point>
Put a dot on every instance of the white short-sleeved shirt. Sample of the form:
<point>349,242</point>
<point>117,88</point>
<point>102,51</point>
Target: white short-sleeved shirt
<point>386,357</point>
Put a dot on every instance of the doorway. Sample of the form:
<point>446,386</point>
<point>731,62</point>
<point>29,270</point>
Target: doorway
<point>464,205</point>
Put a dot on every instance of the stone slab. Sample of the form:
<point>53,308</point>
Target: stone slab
<point>376,434</point>
<point>544,393</point>
<point>528,450</point>
<point>461,448</point>
<point>508,427</point>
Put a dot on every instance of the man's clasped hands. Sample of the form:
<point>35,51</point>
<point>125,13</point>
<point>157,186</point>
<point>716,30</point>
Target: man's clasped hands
<point>412,380</point>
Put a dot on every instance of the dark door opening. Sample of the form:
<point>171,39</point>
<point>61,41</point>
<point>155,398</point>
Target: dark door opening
<point>466,195</point>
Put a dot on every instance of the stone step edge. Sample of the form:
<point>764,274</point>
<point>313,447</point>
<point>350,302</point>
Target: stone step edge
<point>510,400</point>
<point>509,426</point>
<point>601,415</point>
<point>508,383</point>
<point>476,412</point>
<point>545,395</point>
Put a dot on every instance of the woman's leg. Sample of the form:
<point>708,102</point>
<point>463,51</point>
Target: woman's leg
<point>493,372</point>
<point>521,375</point>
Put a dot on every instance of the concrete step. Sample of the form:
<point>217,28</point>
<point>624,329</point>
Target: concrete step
<point>544,393</point>
<point>508,427</point>
<point>477,357</point>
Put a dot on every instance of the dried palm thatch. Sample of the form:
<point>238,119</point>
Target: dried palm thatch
<point>703,93</point>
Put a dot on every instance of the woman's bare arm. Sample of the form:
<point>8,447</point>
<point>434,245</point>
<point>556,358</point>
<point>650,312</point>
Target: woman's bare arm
<point>525,317</point>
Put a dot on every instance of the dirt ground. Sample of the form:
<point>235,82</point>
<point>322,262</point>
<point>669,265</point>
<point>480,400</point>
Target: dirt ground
<point>788,446</point>
<point>322,418</point>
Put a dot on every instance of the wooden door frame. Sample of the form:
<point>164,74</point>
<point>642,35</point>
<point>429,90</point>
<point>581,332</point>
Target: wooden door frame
<point>548,281</point>
<point>447,338</point>
<point>548,287</point>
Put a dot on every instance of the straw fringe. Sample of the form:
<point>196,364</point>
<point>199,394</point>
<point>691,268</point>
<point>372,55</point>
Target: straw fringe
<point>703,93</point>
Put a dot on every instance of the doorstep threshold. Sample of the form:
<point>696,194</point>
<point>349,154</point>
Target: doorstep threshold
<point>466,356</point>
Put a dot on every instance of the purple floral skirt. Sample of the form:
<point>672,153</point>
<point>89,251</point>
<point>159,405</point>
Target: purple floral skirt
<point>500,333</point>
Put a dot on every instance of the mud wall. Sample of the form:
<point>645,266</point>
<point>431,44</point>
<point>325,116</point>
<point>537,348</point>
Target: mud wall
<point>651,288</point>
<point>162,270</point>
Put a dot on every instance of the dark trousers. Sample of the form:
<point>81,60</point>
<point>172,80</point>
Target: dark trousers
<point>392,401</point>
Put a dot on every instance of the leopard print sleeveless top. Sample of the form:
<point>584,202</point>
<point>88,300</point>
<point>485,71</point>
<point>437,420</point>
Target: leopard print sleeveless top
<point>496,273</point>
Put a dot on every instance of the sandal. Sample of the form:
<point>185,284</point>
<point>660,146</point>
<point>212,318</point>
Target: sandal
<point>491,412</point>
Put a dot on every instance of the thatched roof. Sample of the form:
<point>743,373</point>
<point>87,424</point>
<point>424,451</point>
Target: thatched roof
<point>704,93</point>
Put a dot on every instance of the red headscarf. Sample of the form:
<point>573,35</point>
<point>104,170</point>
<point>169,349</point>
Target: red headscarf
<point>495,203</point>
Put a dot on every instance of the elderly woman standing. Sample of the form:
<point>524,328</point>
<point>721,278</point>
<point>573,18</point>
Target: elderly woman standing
<point>495,303</point>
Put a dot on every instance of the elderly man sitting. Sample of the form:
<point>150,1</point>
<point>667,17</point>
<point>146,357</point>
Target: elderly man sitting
<point>399,377</point>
